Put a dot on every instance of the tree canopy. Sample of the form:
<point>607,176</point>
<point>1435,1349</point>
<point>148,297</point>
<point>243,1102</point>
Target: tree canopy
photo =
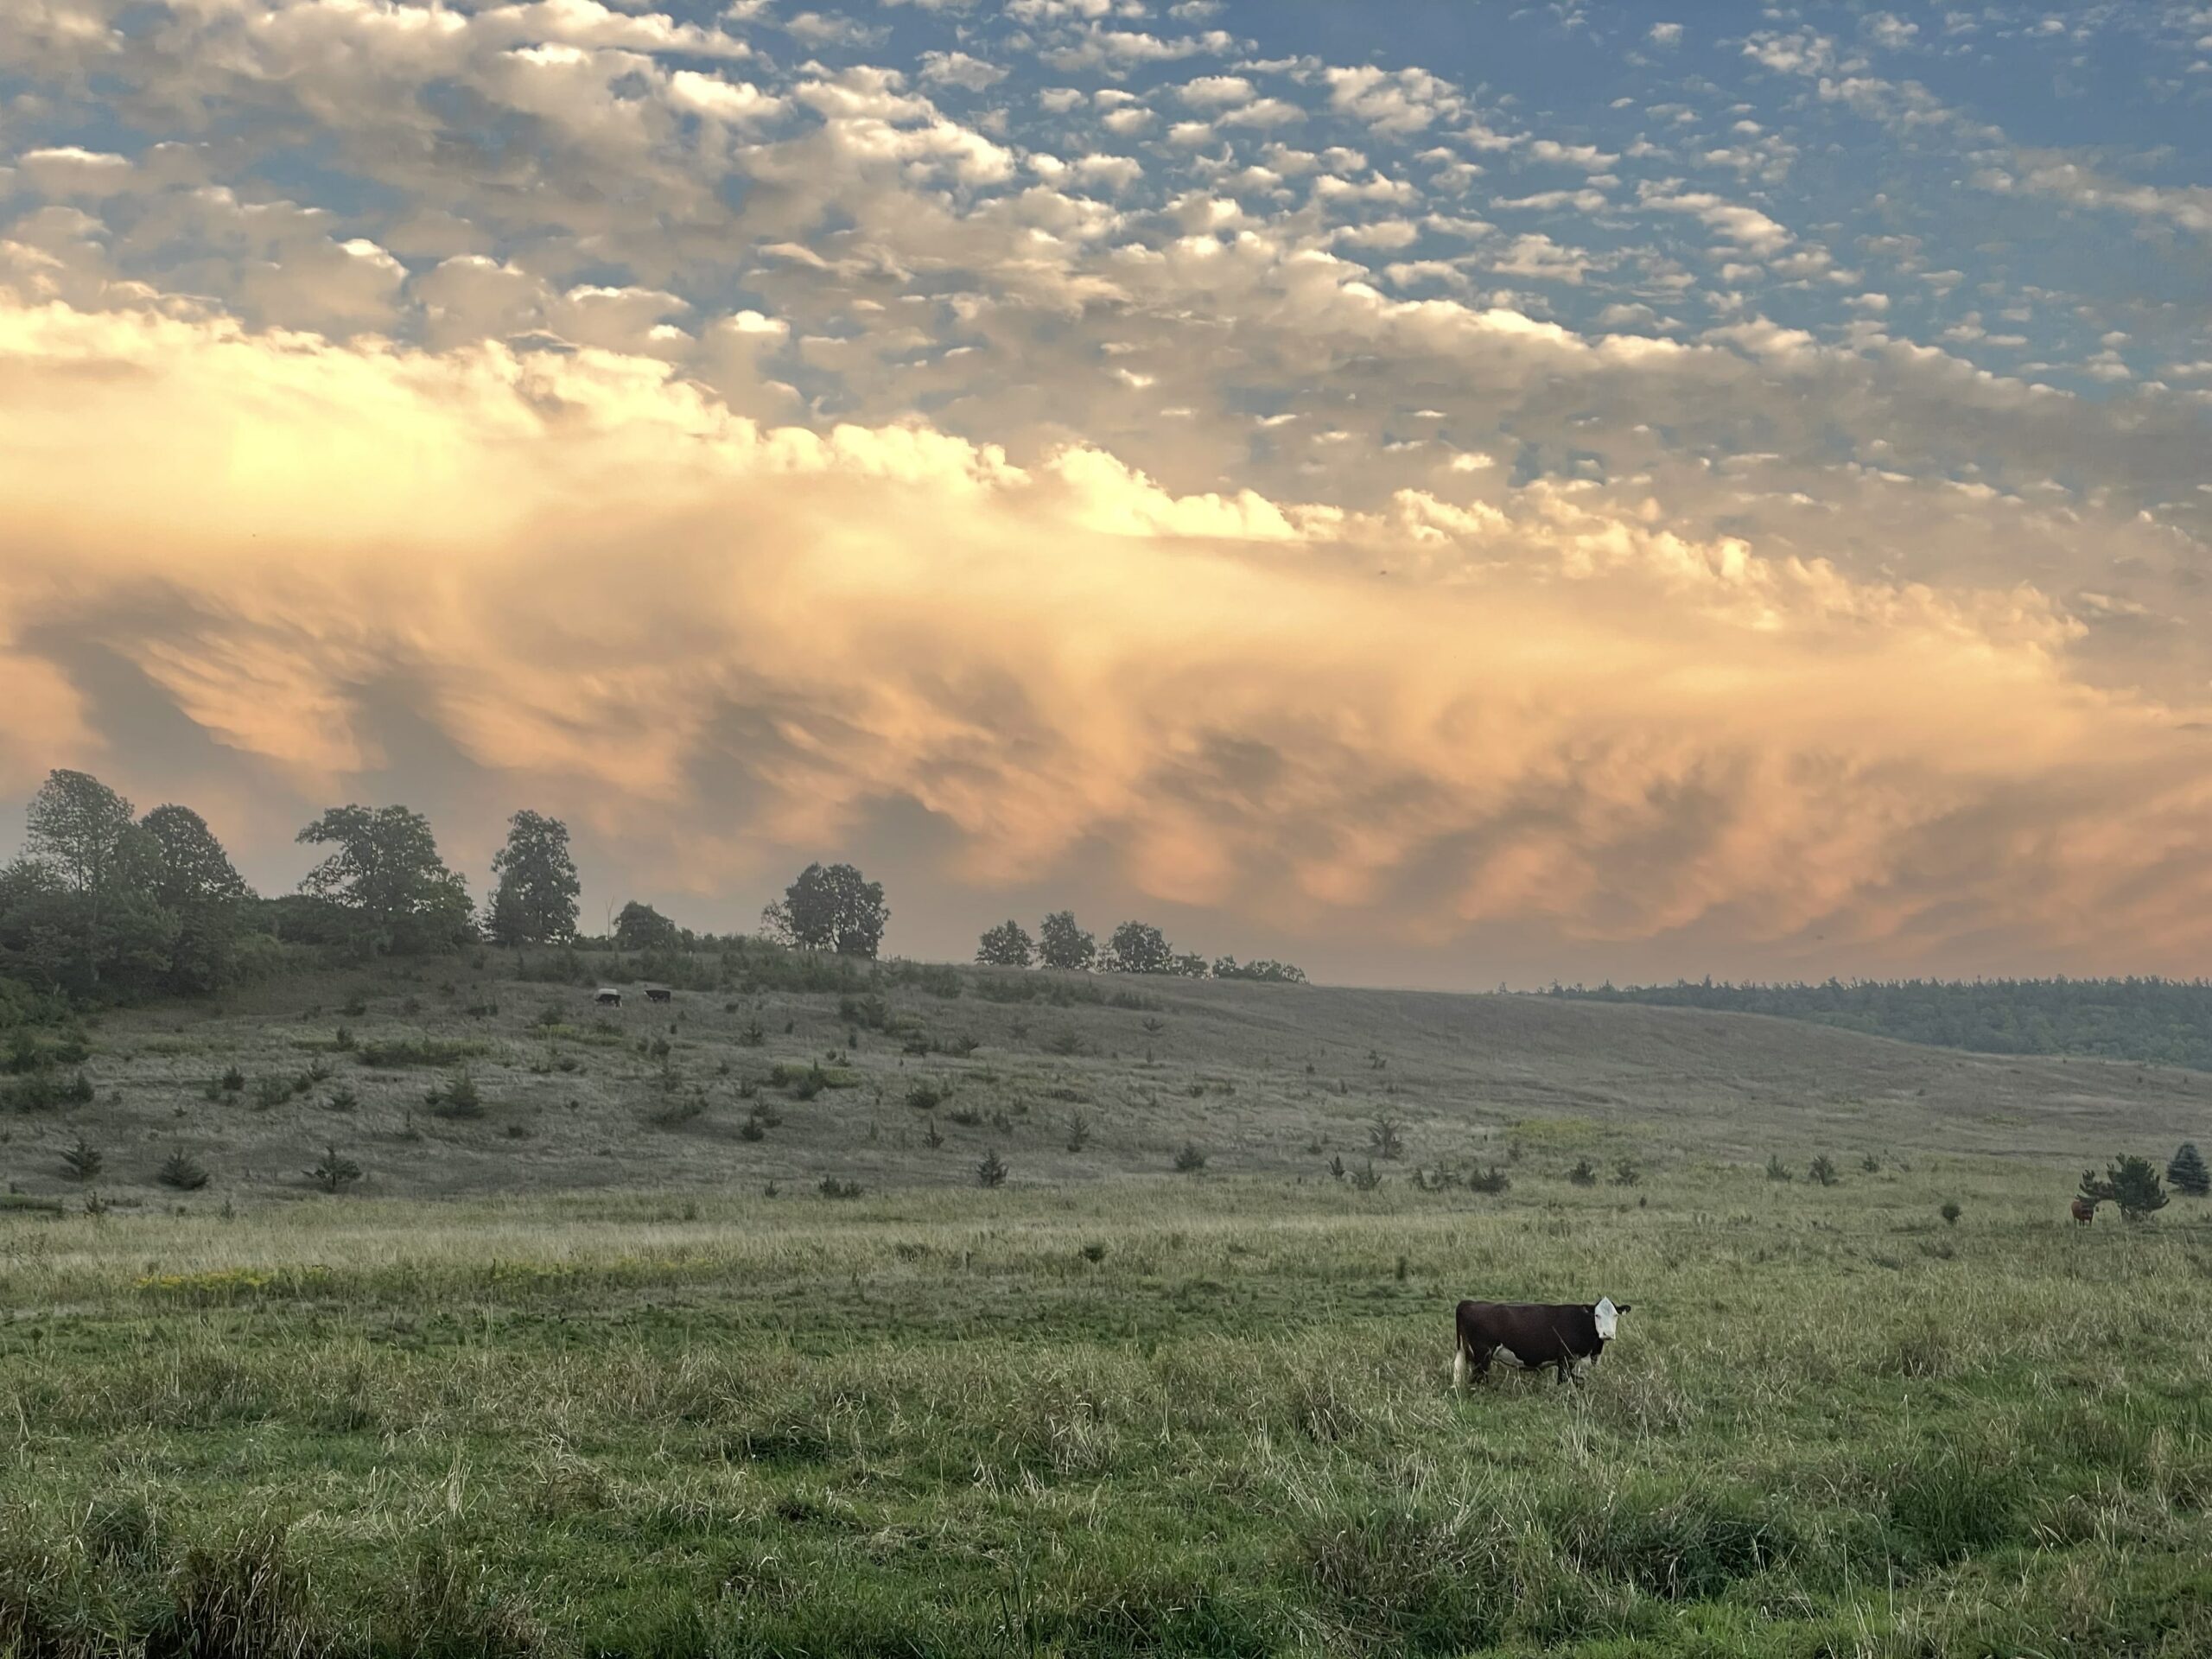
<point>534,898</point>
<point>386,873</point>
<point>641,927</point>
<point>831,907</point>
<point>1007,946</point>
<point>1062,945</point>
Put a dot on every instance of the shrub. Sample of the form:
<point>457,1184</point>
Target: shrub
<point>932,1136</point>
<point>991,1171</point>
<point>343,1040</point>
<point>1823,1171</point>
<point>926,1096</point>
<point>82,1158</point>
<point>1078,1131</point>
<point>457,1099</point>
<point>2186,1172</point>
<point>181,1172</point>
<point>1190,1160</point>
<point>1625,1172</point>
<point>342,1099</point>
<point>233,1081</point>
<point>1364,1179</point>
<point>1870,1164</point>
<point>333,1172</point>
<point>1777,1170</point>
<point>1951,1212</point>
<point>41,1092</point>
<point>1387,1137</point>
<point>1585,1173</point>
<point>2130,1182</point>
<point>1492,1179</point>
<point>831,1187</point>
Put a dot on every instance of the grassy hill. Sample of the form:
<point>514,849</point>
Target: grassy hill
<point>908,1077</point>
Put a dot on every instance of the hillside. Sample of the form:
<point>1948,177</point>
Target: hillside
<point>1083,1079</point>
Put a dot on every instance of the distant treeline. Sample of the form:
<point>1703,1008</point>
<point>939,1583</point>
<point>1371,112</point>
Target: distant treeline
<point>105,906</point>
<point>2166,1021</point>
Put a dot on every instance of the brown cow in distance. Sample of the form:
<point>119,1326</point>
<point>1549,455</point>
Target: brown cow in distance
<point>1562,1335</point>
<point>2084,1213</point>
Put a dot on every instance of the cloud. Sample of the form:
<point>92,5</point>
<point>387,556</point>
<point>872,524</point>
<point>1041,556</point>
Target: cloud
<point>721,645</point>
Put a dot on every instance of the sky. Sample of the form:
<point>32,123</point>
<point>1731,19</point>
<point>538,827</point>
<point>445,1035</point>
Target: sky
<point>1447,494</point>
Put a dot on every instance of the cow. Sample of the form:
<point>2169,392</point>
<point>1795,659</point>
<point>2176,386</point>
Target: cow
<point>1562,1335</point>
<point>2084,1213</point>
<point>657,994</point>
<point>608,997</point>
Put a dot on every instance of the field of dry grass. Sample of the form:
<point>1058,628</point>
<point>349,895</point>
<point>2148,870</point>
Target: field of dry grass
<point>900,1084</point>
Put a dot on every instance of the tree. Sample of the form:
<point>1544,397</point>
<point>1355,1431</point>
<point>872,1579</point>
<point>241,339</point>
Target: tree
<point>1061,943</point>
<point>534,898</point>
<point>387,875</point>
<point>80,828</point>
<point>832,907</point>
<point>641,927</point>
<point>1277,972</point>
<point>1139,948</point>
<point>2187,1171</point>
<point>193,869</point>
<point>100,894</point>
<point>2130,1182</point>
<point>1007,946</point>
<point>197,884</point>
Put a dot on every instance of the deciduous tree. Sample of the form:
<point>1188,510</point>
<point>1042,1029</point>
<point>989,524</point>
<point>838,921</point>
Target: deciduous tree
<point>386,872</point>
<point>1139,948</point>
<point>1007,946</point>
<point>534,898</point>
<point>1061,943</point>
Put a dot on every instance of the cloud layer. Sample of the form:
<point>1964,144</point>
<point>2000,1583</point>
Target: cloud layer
<point>1061,449</point>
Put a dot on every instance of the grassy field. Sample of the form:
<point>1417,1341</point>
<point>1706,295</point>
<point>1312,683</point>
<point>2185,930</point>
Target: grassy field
<point>591,1388</point>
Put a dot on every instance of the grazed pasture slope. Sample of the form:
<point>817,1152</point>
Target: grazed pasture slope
<point>1157,1413</point>
<point>590,1101</point>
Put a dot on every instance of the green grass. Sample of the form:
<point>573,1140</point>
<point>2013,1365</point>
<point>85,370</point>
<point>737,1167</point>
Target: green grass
<point>1170,1416</point>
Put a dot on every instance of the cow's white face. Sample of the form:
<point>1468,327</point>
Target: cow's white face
<point>1609,1318</point>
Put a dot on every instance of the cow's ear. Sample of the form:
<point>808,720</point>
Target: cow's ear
<point>1623,1308</point>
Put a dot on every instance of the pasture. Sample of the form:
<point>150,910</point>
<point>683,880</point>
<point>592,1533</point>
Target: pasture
<point>592,1368</point>
<point>1132,1417</point>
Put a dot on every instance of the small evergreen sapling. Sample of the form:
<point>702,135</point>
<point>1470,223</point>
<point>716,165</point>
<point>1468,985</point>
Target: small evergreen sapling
<point>2186,1173</point>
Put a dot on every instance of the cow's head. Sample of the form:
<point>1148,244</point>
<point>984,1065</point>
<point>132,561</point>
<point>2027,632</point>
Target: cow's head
<point>1608,1317</point>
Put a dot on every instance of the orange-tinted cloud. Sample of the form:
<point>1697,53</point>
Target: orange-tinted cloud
<point>723,646</point>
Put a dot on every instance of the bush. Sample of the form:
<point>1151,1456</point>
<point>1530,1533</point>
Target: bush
<point>1625,1172</point>
<point>1585,1173</point>
<point>1190,1160</point>
<point>926,1096</point>
<point>831,1187</point>
<point>992,1171</point>
<point>1951,1212</point>
<point>1822,1170</point>
<point>180,1171</point>
<point>1385,1135</point>
<point>1364,1179</point>
<point>457,1099</point>
<point>1492,1180</point>
<point>1777,1170</point>
<point>334,1173</point>
<point>233,1081</point>
<point>1078,1131</point>
<point>42,1092</point>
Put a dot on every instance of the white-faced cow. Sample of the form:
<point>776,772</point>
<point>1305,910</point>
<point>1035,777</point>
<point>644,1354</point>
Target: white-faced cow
<point>1562,1335</point>
<point>608,997</point>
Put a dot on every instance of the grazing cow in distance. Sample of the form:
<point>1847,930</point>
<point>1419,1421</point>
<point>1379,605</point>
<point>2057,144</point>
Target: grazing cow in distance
<point>2084,1213</point>
<point>657,994</point>
<point>608,997</point>
<point>1562,1335</point>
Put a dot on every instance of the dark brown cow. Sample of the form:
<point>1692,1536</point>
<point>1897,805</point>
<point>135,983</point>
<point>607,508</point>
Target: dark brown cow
<point>2084,1213</point>
<point>657,994</point>
<point>1558,1334</point>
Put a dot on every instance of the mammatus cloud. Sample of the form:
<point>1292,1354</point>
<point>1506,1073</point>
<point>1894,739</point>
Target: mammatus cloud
<point>727,645</point>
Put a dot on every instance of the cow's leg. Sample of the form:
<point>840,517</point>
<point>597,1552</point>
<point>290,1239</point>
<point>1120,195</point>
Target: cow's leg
<point>1459,1366</point>
<point>1480,1354</point>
